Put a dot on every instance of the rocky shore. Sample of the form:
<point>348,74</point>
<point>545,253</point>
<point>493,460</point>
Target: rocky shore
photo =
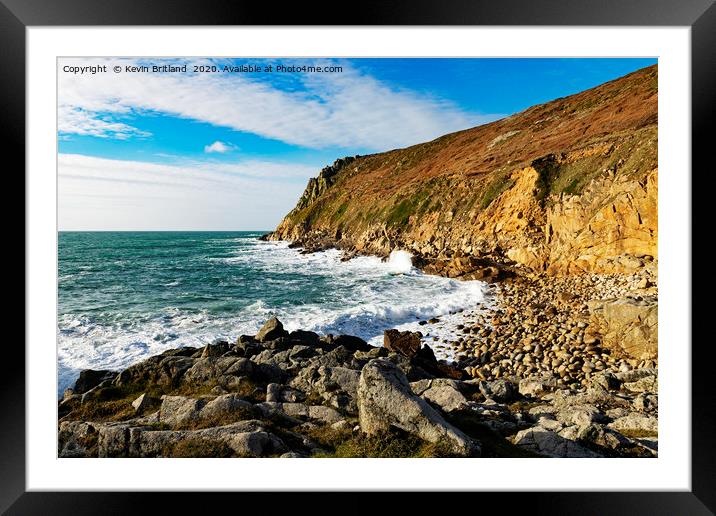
<point>555,207</point>
<point>552,369</point>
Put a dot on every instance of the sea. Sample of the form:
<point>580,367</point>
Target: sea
<point>125,296</point>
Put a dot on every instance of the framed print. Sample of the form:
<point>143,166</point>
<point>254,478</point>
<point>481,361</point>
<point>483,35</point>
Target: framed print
<point>422,251</point>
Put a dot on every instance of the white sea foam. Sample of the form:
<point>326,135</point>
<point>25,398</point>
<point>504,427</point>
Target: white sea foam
<point>400,262</point>
<point>364,296</point>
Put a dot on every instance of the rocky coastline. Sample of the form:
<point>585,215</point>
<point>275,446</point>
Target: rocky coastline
<point>549,371</point>
<point>555,207</point>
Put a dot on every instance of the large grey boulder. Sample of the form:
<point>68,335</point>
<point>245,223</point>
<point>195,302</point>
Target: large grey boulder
<point>244,438</point>
<point>225,371</point>
<point>179,410</point>
<point>73,438</point>
<point>182,411</point>
<point>113,440</point>
<point>580,415</point>
<point>337,386</point>
<point>325,415</point>
<point>640,380</point>
<point>385,399</point>
<point>271,330</point>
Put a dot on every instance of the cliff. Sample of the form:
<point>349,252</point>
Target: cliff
<point>566,187</point>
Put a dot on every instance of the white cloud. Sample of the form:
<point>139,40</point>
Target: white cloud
<point>348,109</point>
<point>104,194</point>
<point>73,120</point>
<point>219,147</point>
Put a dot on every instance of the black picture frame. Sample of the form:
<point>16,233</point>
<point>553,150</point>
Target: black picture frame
<point>17,15</point>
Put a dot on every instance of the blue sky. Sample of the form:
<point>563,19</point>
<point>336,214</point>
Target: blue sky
<point>223,151</point>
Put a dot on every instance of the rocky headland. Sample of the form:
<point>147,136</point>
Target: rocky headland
<point>554,207</point>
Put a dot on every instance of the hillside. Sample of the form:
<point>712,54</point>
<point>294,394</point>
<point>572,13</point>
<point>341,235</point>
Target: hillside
<point>569,186</point>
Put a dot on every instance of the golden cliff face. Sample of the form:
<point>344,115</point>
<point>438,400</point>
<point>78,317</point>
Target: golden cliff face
<point>565,187</point>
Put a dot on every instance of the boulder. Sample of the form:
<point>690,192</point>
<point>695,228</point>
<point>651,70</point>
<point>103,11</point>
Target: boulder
<point>351,343</point>
<point>244,439</point>
<point>225,406</point>
<point>407,343</point>
<point>646,402</point>
<point>551,444</point>
<point>647,384</point>
<point>179,410</point>
<point>271,330</point>
<point>182,411</point>
<point>337,386</point>
<point>537,386</point>
<point>604,437</point>
<point>273,392</point>
<point>215,349</point>
<point>325,415</point>
<point>607,380</point>
<point>217,370</point>
<point>634,375</point>
<point>144,403</point>
<point>90,378</point>
<point>74,438</point>
<point>628,324</point>
<point>113,440</point>
<point>500,391</point>
<point>442,392</point>
<point>580,415</point>
<point>636,423</point>
<point>385,400</point>
<point>164,369</point>
<point>309,338</point>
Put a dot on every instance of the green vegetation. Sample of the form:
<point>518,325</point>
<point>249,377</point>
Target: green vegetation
<point>639,434</point>
<point>198,448</point>
<point>547,171</point>
<point>499,184</point>
<point>572,188</point>
<point>400,213</point>
<point>339,212</point>
<point>395,443</point>
<point>223,419</point>
<point>419,202</point>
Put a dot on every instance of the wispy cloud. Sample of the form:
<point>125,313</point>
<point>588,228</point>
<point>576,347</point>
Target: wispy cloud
<point>76,120</point>
<point>219,147</point>
<point>348,109</point>
<point>191,195</point>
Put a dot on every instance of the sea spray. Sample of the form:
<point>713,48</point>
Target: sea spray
<point>400,262</point>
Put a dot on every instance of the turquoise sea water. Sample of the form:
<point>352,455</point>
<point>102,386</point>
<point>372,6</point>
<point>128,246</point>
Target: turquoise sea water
<point>124,296</point>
